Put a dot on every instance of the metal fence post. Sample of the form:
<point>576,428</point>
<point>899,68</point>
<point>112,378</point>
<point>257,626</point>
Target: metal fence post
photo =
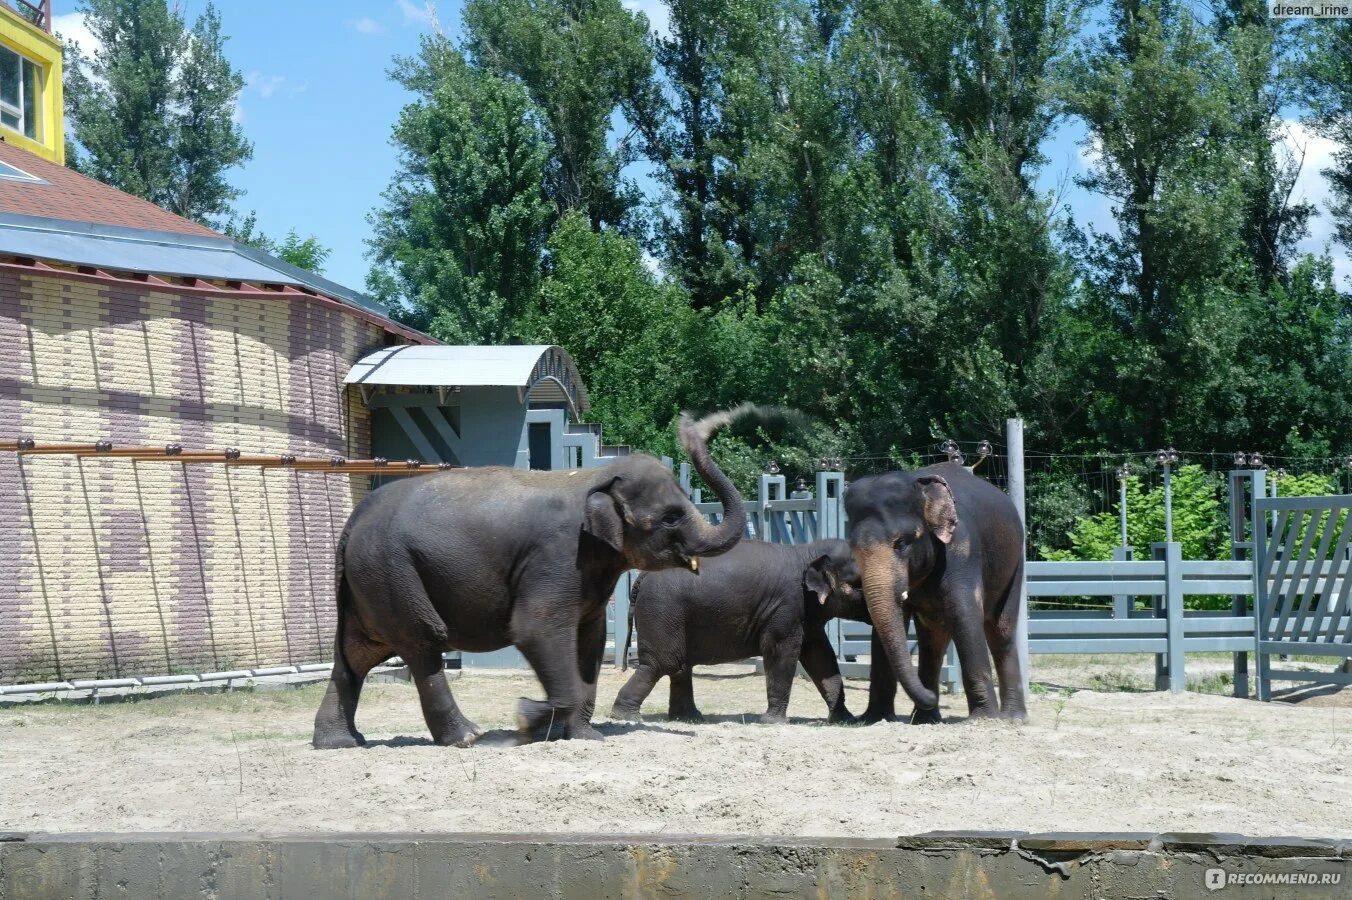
<point>830,505</point>
<point>1247,528</point>
<point>1014,445</point>
<point>1169,673</point>
<point>1263,544</point>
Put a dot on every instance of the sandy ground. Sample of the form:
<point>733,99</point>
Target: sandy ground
<point>1086,760</point>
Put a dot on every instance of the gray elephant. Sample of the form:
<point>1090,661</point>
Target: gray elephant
<point>945,548</point>
<point>758,599</point>
<point>480,559</point>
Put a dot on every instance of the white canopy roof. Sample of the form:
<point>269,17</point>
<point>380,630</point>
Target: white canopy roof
<point>475,366</point>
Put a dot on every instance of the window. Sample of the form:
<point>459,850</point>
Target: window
<point>20,88</point>
<point>14,173</point>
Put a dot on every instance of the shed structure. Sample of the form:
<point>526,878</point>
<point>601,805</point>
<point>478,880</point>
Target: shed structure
<point>516,406</point>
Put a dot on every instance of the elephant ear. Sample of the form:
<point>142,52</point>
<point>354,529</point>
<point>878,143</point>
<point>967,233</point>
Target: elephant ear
<point>602,519</point>
<point>941,515</point>
<point>817,578</point>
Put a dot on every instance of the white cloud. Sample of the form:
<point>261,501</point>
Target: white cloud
<point>418,13</point>
<point>1315,153</point>
<point>1090,151</point>
<point>367,26</point>
<point>72,27</point>
<point>267,86</point>
<point>659,19</point>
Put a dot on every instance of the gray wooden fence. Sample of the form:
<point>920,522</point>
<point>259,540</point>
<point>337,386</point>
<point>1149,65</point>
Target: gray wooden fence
<point>1304,580</point>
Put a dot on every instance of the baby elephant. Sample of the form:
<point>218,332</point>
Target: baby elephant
<point>771,600</point>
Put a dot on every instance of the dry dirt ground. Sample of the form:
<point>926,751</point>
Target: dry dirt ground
<point>1086,760</point>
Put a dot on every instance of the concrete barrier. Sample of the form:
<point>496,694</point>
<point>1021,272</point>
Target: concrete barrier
<point>940,864</point>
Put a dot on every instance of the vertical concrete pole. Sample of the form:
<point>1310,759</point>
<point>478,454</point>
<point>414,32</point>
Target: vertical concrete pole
<point>1014,445</point>
<point>1168,506</point>
<point>621,621</point>
<point>1173,580</point>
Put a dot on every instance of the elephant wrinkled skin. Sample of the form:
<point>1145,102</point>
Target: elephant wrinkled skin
<point>479,559</point>
<point>758,599</point>
<point>944,548</point>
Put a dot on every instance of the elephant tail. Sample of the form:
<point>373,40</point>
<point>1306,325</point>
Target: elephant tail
<point>629,632</point>
<point>1007,616</point>
<point>343,594</point>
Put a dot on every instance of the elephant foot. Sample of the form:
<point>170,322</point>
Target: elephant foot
<point>1015,715</point>
<point>338,740</point>
<point>773,718</point>
<point>874,716</point>
<point>921,716</point>
<point>462,734</point>
<point>584,731</point>
<point>626,713</point>
<point>541,721</point>
<point>691,715</point>
<point>983,711</point>
<point>843,717</point>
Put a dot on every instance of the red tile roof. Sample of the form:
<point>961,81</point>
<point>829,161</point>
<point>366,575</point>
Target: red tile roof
<point>70,195</point>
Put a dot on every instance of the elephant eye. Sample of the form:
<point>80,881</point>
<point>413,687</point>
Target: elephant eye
<point>672,518</point>
<point>901,543</point>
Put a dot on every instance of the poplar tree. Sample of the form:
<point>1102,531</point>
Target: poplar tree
<point>151,111</point>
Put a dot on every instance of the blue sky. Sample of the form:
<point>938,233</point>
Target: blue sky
<point>319,107</point>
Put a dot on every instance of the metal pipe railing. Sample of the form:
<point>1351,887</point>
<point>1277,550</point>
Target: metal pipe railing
<point>230,456</point>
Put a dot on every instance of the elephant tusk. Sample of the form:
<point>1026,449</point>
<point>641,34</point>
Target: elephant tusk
<point>694,564</point>
<point>904,595</point>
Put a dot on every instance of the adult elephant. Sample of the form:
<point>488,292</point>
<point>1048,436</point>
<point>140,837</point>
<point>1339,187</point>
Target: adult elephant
<point>945,548</point>
<point>479,559</point>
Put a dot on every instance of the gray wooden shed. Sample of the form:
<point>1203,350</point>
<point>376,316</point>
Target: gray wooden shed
<point>517,406</point>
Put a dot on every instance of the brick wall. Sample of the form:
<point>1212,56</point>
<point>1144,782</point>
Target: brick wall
<point>113,567</point>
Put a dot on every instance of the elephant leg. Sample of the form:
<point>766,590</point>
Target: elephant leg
<point>551,648</point>
<point>681,707</point>
<point>355,655</point>
<point>882,686</point>
<point>933,643</point>
<point>966,620</point>
<point>780,659</point>
<point>445,721</point>
<point>1006,656</point>
<point>629,701</point>
<point>819,661</point>
<point>591,650</point>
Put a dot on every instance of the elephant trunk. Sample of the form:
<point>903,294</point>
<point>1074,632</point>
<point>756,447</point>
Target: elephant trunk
<point>877,563</point>
<point>695,435</point>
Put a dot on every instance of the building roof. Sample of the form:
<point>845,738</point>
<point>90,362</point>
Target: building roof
<point>62,193</point>
<point>61,216</point>
<point>544,371</point>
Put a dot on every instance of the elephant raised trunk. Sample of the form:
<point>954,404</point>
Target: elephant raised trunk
<point>877,565</point>
<point>695,435</point>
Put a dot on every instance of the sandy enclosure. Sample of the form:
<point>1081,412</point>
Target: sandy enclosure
<point>1087,760</point>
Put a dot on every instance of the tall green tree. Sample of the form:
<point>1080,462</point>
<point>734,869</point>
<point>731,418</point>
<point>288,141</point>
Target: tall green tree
<point>1326,76</point>
<point>576,60</point>
<point>151,112</point>
<point>1260,49</point>
<point>459,240</point>
<point>1158,333</point>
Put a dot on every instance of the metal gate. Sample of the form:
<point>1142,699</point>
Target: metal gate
<point>1303,582</point>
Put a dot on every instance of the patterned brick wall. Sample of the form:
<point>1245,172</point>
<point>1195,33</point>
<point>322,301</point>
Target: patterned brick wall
<point>113,567</point>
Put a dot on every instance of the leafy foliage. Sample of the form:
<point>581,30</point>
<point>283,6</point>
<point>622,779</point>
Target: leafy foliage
<point>152,111</point>
<point>846,220</point>
<point>305,253</point>
<point>459,243</point>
